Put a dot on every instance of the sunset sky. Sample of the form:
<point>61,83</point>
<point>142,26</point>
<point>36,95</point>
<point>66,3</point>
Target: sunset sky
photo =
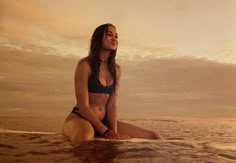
<point>147,28</point>
<point>183,50</point>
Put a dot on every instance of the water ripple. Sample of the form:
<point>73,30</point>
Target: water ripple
<point>185,142</point>
<point>229,156</point>
<point>7,146</point>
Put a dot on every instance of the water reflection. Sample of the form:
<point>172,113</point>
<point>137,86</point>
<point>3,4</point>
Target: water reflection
<point>97,151</point>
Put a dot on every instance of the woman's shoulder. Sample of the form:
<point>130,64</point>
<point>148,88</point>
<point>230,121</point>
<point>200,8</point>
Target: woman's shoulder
<point>84,60</point>
<point>118,70</point>
<point>83,64</point>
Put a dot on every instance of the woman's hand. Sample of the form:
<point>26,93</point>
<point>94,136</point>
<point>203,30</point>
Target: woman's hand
<point>125,137</point>
<point>112,135</point>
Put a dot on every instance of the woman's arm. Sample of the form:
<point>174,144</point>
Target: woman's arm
<point>81,90</point>
<point>112,104</point>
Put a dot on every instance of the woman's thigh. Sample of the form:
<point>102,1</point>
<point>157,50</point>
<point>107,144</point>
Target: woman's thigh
<point>136,132</point>
<point>77,129</point>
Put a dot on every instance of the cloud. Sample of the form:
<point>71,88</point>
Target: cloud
<point>15,109</point>
<point>228,49</point>
<point>2,77</point>
<point>179,87</point>
<point>22,19</point>
<point>147,30</point>
<point>35,82</point>
<point>184,86</point>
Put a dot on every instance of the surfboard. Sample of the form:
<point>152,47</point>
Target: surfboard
<point>2,130</point>
<point>137,140</point>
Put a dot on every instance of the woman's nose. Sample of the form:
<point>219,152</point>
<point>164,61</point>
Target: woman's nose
<point>114,38</point>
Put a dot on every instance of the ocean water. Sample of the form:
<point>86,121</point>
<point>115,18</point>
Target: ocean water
<point>208,141</point>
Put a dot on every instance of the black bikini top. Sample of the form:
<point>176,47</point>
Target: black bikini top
<point>95,86</point>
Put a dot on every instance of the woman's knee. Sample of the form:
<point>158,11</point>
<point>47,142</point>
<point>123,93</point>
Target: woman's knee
<point>84,133</point>
<point>77,130</point>
<point>155,135</point>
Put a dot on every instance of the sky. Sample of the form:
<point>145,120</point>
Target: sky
<point>183,50</point>
<point>147,29</point>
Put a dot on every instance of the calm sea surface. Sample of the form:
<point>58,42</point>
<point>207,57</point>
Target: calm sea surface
<point>186,141</point>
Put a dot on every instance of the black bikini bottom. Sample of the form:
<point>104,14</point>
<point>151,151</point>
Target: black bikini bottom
<point>75,110</point>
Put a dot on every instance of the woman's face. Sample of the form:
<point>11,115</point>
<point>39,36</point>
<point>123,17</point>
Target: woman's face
<point>110,39</point>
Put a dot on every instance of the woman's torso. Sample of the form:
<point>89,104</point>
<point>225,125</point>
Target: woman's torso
<point>97,103</point>
<point>99,90</point>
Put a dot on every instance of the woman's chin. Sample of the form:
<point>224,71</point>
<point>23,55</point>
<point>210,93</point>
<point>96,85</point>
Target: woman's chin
<point>111,48</point>
<point>114,49</point>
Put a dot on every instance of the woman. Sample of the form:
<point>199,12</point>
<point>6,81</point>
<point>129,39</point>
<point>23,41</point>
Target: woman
<point>97,78</point>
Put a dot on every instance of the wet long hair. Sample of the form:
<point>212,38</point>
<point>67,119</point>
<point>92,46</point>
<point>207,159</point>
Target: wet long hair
<point>95,48</point>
